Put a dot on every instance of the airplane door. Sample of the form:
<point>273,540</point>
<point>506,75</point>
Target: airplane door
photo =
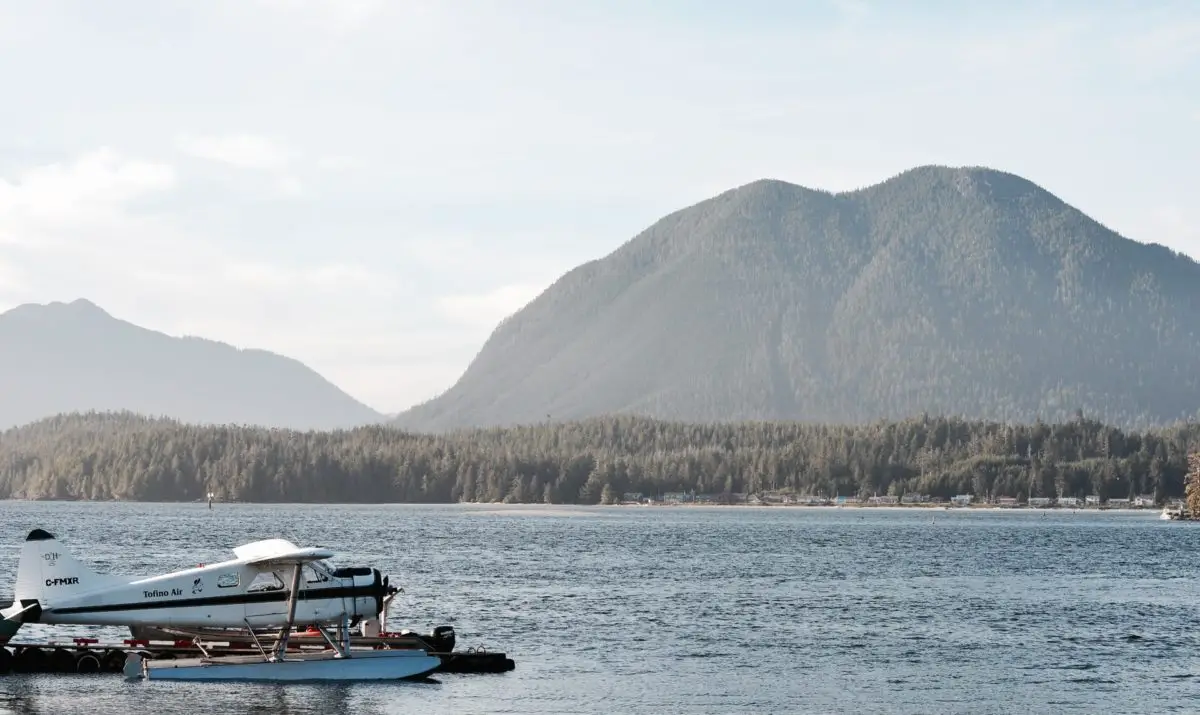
<point>319,607</point>
<point>268,594</point>
<point>267,599</point>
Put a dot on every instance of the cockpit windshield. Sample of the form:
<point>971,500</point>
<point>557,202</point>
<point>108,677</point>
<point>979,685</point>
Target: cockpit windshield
<point>315,573</point>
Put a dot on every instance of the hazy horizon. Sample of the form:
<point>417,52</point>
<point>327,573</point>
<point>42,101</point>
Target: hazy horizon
<point>370,187</point>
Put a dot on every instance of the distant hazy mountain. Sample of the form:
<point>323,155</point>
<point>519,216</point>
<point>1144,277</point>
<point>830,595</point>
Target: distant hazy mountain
<point>962,291</point>
<point>76,357</point>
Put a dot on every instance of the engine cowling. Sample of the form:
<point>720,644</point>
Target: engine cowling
<point>370,588</point>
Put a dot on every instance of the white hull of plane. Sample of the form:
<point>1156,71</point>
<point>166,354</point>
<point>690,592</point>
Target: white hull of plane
<point>314,667</point>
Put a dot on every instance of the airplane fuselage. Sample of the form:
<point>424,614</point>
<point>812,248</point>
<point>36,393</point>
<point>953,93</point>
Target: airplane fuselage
<point>223,595</point>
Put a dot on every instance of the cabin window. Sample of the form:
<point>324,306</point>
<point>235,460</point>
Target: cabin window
<point>229,580</point>
<point>265,581</point>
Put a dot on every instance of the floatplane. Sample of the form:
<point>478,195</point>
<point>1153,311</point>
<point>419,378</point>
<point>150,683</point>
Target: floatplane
<point>262,593</point>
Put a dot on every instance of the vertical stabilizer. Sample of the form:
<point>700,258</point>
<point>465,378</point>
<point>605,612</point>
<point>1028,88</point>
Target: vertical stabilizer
<point>47,573</point>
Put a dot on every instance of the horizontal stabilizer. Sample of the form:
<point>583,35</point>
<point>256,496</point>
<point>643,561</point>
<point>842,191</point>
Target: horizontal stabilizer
<point>8,628</point>
<point>17,610</point>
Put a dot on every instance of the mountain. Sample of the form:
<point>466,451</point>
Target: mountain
<point>75,357</point>
<point>960,291</point>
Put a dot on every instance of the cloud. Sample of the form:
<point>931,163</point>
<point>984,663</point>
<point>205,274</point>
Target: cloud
<point>246,151</point>
<point>99,211</point>
<point>290,186</point>
<point>336,162</point>
<point>1028,50</point>
<point>486,310</point>
<point>338,16</point>
<point>10,278</point>
<point>1164,46</point>
<point>852,10</point>
<point>249,152</point>
<point>1173,227</point>
<point>532,258</point>
<point>91,188</point>
<point>333,277</point>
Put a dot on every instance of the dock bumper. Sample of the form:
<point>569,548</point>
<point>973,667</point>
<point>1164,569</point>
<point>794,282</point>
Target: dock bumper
<point>475,661</point>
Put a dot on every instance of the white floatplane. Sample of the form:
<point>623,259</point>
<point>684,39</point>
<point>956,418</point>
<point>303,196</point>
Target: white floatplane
<point>271,584</point>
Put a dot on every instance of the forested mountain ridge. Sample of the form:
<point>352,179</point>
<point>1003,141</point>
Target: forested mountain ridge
<point>75,357</point>
<point>957,291</point>
<point>124,456</point>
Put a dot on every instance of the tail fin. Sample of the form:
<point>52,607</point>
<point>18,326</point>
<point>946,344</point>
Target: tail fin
<point>47,573</point>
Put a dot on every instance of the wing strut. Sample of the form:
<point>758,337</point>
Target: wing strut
<point>291,611</point>
<point>261,650</point>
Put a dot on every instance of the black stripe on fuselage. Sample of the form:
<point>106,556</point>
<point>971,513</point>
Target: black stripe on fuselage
<point>313,594</point>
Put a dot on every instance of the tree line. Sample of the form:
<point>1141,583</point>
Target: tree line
<point>105,456</point>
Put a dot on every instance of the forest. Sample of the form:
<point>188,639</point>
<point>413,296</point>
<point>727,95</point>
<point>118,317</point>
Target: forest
<point>123,456</point>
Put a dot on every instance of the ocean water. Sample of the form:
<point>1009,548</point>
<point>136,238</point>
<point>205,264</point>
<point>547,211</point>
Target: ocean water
<point>695,610</point>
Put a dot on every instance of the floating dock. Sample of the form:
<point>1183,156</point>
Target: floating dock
<point>90,656</point>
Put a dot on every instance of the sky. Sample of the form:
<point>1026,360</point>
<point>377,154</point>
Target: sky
<point>370,186</point>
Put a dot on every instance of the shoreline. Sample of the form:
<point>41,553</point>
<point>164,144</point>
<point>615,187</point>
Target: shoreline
<point>884,507</point>
<point>626,505</point>
<point>898,507</point>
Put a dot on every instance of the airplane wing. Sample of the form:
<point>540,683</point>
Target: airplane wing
<point>279,552</point>
<point>291,558</point>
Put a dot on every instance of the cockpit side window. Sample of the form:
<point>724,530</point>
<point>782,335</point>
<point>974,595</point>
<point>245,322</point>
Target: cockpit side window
<point>265,581</point>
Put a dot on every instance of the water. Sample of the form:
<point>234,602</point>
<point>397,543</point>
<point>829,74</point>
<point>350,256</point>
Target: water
<point>691,610</point>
